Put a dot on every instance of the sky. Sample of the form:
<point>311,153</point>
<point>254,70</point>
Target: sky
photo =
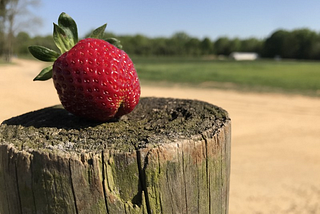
<point>201,18</point>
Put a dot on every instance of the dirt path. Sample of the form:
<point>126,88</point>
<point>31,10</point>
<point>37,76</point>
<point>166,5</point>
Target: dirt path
<point>19,94</point>
<point>275,163</point>
<point>275,138</point>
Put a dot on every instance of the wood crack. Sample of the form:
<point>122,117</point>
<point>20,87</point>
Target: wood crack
<point>32,187</point>
<point>184,182</point>
<point>104,182</point>
<point>18,190</point>
<point>6,201</point>
<point>207,172</point>
<point>142,180</point>
<point>72,188</point>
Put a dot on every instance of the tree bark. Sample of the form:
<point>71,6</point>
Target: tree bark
<point>167,156</point>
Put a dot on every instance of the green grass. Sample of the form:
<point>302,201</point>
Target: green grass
<point>262,75</point>
<point>301,77</point>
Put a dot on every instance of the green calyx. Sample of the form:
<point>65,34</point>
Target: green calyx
<point>65,36</point>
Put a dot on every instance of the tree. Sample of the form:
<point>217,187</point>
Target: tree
<point>179,41</point>
<point>222,46</point>
<point>251,45</point>
<point>159,46</point>
<point>193,47</point>
<point>315,50</point>
<point>296,44</point>
<point>138,44</point>
<point>235,45</point>
<point>3,4</point>
<point>273,45</point>
<point>24,40</point>
<point>306,40</point>
<point>14,15</point>
<point>206,46</point>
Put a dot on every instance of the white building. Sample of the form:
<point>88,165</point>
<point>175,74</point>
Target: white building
<point>244,56</point>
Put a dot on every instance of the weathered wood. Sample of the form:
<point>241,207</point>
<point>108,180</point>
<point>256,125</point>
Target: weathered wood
<point>167,156</point>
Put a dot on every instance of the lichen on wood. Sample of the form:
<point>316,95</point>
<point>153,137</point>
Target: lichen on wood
<point>167,156</point>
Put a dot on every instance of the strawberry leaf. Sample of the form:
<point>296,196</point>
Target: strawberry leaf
<point>60,38</point>
<point>43,53</point>
<point>45,74</point>
<point>70,28</point>
<point>98,33</point>
<point>114,42</point>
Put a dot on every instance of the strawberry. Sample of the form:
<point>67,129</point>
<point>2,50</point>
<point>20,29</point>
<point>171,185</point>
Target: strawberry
<point>94,78</point>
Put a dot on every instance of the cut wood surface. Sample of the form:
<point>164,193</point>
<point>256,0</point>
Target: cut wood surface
<point>167,156</point>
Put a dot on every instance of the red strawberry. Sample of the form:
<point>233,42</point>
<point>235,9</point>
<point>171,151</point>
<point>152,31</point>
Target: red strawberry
<point>93,78</point>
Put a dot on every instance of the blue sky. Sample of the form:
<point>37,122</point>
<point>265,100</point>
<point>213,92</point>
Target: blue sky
<point>202,18</point>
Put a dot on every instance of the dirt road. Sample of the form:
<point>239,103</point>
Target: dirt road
<point>275,138</point>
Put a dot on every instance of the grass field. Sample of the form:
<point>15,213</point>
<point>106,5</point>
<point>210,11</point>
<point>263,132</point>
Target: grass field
<point>262,75</point>
<point>302,77</point>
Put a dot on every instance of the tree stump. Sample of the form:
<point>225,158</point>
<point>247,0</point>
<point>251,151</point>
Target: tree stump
<point>167,156</point>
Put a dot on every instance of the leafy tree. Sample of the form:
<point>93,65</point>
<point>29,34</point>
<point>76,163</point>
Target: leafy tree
<point>274,45</point>
<point>235,45</point>
<point>160,46</point>
<point>306,40</point>
<point>24,40</point>
<point>222,46</point>
<point>315,49</point>
<point>192,47</point>
<point>138,44</point>
<point>296,44</point>
<point>251,45</point>
<point>206,46</point>
<point>14,16</point>
<point>178,41</point>
<point>142,45</point>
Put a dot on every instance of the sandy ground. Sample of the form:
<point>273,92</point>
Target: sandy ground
<point>275,138</point>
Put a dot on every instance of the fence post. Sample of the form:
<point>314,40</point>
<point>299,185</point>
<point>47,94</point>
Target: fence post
<point>167,156</point>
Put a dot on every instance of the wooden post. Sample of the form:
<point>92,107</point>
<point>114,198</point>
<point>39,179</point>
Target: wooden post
<point>167,156</point>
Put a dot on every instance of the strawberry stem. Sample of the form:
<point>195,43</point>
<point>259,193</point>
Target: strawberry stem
<point>60,39</point>
<point>98,33</point>
<point>69,26</point>
<point>114,42</point>
<point>45,74</point>
<point>43,53</point>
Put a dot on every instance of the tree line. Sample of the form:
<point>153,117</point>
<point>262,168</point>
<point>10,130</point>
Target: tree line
<point>295,44</point>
